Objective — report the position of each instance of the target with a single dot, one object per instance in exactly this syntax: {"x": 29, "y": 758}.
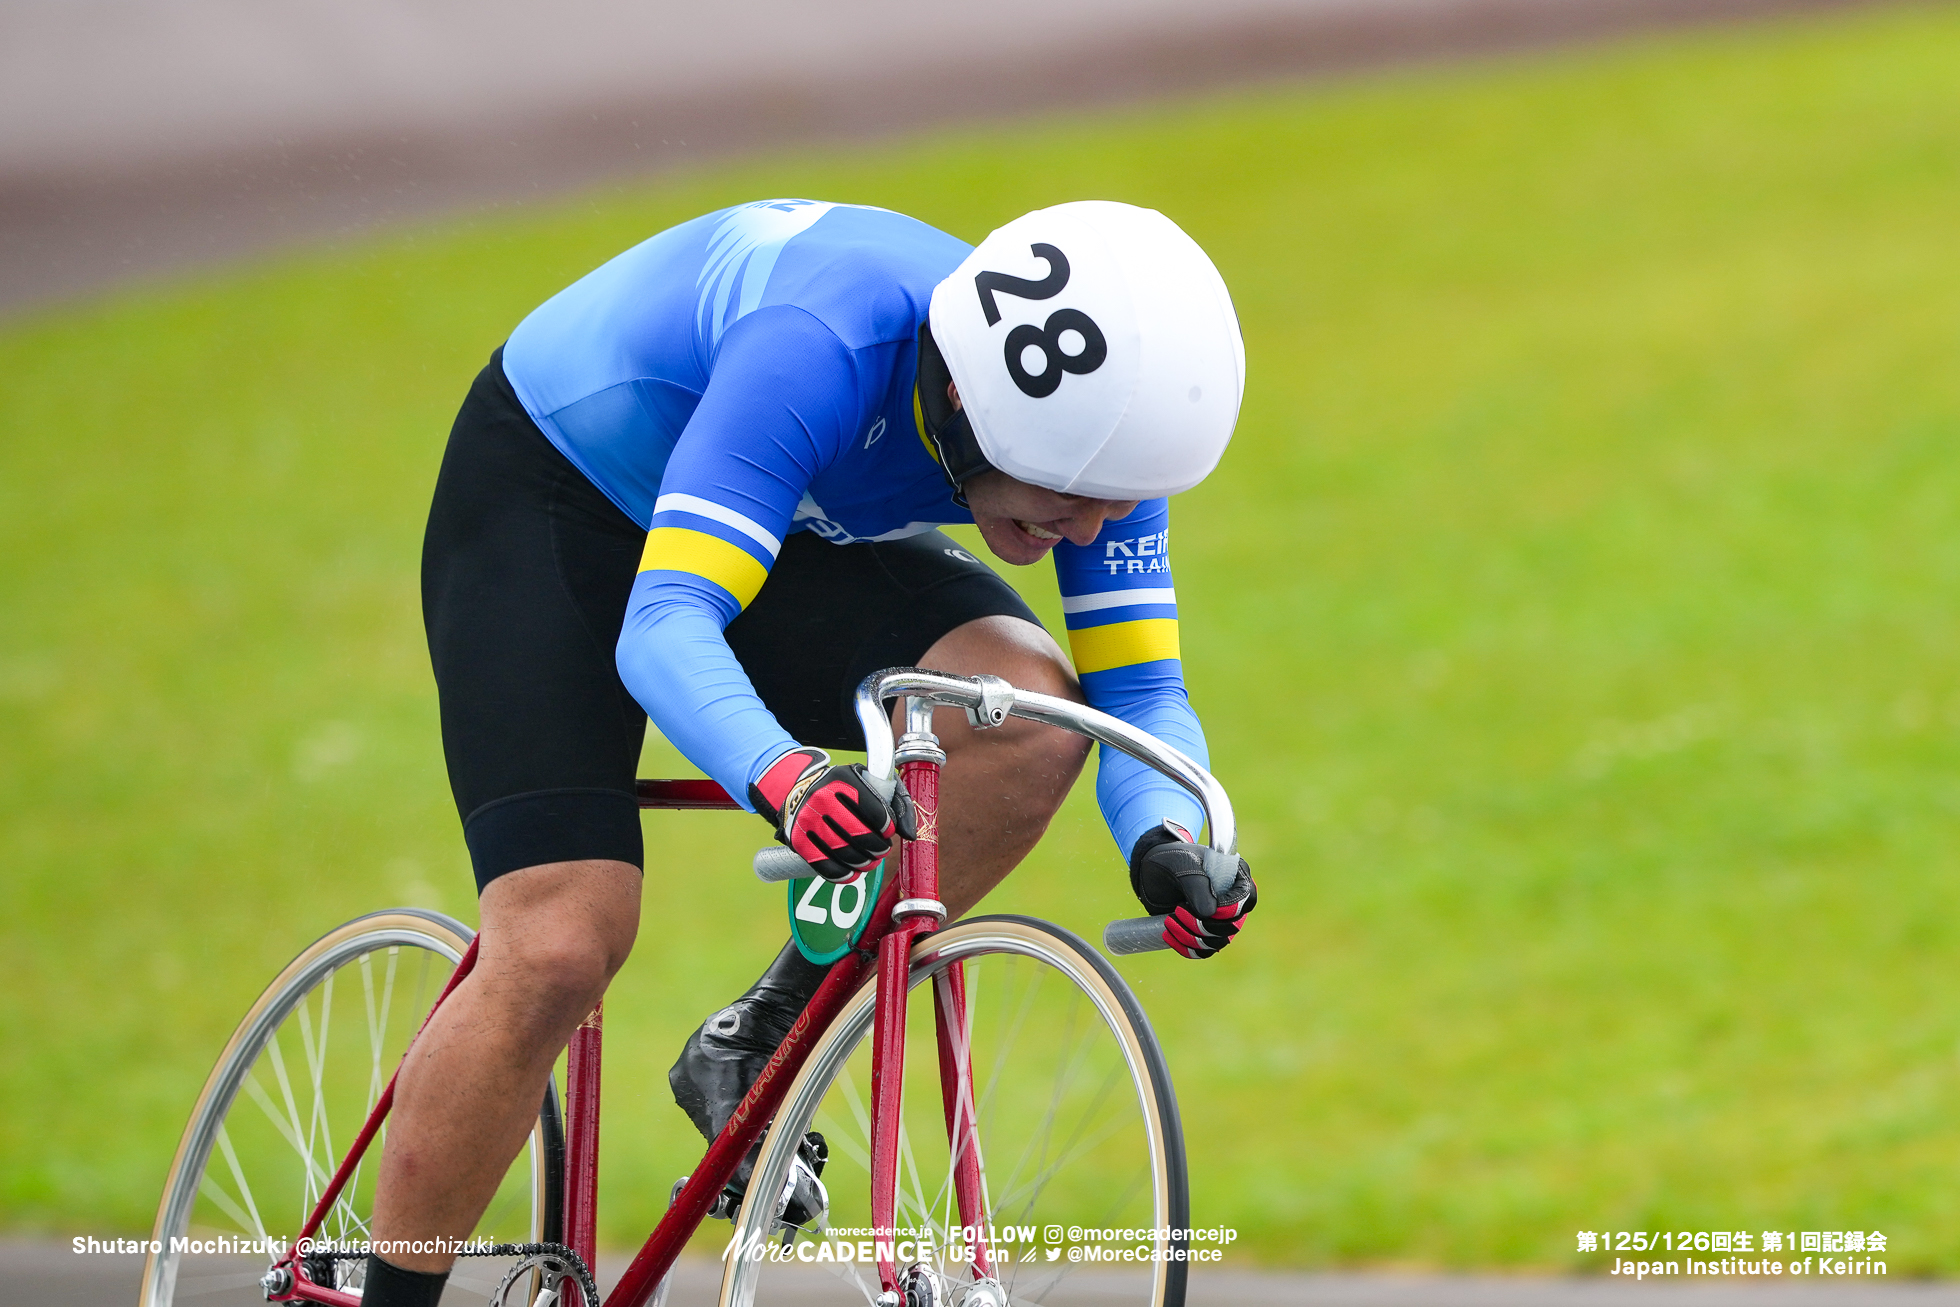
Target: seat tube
{"x": 919, "y": 758}
{"x": 582, "y": 1141}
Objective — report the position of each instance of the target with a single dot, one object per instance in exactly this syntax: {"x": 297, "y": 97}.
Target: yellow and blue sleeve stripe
{"x": 1120, "y": 608}
{"x": 1117, "y": 597}
{"x": 1104, "y": 647}
{"x": 1108, "y": 629}
{"x": 700, "y": 538}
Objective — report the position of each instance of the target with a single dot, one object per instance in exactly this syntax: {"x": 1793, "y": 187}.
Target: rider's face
{"x": 1021, "y": 523}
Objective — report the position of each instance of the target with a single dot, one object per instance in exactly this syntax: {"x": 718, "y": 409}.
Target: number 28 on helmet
{"x": 1095, "y": 350}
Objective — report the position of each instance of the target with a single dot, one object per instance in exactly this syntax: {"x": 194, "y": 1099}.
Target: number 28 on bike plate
{"x": 827, "y": 917}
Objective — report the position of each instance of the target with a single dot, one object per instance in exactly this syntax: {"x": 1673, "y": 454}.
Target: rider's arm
{"x": 1121, "y": 611}
{"x": 782, "y": 402}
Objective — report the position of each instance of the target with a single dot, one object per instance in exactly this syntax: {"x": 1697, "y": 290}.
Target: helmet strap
{"x": 947, "y": 428}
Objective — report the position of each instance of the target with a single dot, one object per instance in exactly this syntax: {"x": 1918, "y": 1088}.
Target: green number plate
{"x": 825, "y": 919}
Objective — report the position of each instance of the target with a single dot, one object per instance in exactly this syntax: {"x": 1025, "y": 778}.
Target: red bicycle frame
{"x": 907, "y": 909}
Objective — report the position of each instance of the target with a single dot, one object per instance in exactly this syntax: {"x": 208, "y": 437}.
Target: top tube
{"x": 989, "y": 701}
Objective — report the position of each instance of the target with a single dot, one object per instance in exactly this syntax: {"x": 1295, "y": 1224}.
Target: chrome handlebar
{"x": 989, "y": 702}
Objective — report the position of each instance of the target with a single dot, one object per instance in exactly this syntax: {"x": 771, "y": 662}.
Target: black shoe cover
{"x": 726, "y": 1054}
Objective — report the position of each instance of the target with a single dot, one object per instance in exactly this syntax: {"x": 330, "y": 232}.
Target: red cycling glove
{"x": 1173, "y": 875}
{"x": 834, "y": 817}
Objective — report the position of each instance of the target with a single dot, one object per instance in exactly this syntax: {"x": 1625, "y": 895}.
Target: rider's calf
{"x": 468, "y": 1092}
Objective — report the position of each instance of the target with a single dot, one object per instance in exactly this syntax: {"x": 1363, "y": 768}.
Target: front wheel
{"x": 1079, "y": 1142}
{"x": 290, "y": 1092}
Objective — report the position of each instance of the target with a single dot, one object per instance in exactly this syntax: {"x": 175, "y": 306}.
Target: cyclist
{"x": 703, "y": 485}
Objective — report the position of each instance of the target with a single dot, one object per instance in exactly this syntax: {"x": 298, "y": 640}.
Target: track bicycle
{"x": 1052, "y": 1109}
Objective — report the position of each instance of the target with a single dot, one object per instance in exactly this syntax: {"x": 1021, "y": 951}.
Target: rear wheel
{"x": 289, "y": 1094}
{"x": 1078, "y": 1134}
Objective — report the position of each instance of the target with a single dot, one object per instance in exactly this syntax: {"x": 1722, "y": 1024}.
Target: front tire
{"x": 1078, "y": 1128}
{"x": 292, "y": 1089}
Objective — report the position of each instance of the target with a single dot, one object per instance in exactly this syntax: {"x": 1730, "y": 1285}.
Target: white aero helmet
{"x": 1096, "y": 353}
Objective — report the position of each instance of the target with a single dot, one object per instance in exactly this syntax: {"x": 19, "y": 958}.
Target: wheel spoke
{"x": 1002, "y": 1053}
{"x": 1037, "y": 1145}
{"x": 307, "y": 1192}
{"x": 915, "y": 1201}
{"x": 319, "y": 1132}
{"x": 375, "y": 1022}
{"x": 315, "y": 1173}
{"x": 857, "y": 1146}
{"x": 965, "y": 1131}
{"x": 1070, "y": 1147}
{"x": 207, "y": 1286}
{"x": 377, "y": 1028}
{"x": 1081, "y": 1148}
{"x": 377, "y": 1045}
{"x": 849, "y": 1273}
{"x": 946, "y": 1199}
{"x": 378, "y": 1019}
{"x": 254, "y": 1224}
{"x": 1043, "y": 1069}
{"x": 271, "y": 1139}
{"x": 969, "y": 1105}
{"x": 1017, "y": 1296}
{"x": 257, "y": 1225}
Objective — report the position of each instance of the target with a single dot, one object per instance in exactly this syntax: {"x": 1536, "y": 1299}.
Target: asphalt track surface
{"x": 48, "y": 1275}
{"x": 140, "y": 137}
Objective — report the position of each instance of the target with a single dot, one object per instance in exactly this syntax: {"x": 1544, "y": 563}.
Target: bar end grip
{"x": 776, "y": 863}
{"x": 1134, "y": 935}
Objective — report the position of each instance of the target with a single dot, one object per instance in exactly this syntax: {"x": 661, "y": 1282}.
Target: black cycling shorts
{"x": 526, "y": 570}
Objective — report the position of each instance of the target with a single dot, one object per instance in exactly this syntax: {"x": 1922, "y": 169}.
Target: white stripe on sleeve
{"x": 1115, "y": 599}
{"x": 708, "y": 508}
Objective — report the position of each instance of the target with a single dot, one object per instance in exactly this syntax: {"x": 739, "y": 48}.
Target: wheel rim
{"x": 1077, "y": 1128}
{"x": 289, "y": 1095}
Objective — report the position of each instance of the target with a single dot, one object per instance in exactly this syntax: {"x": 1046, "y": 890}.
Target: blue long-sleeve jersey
{"x": 752, "y": 373}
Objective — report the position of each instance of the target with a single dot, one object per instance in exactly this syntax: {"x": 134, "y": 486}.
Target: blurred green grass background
{"x": 1573, "y": 620}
